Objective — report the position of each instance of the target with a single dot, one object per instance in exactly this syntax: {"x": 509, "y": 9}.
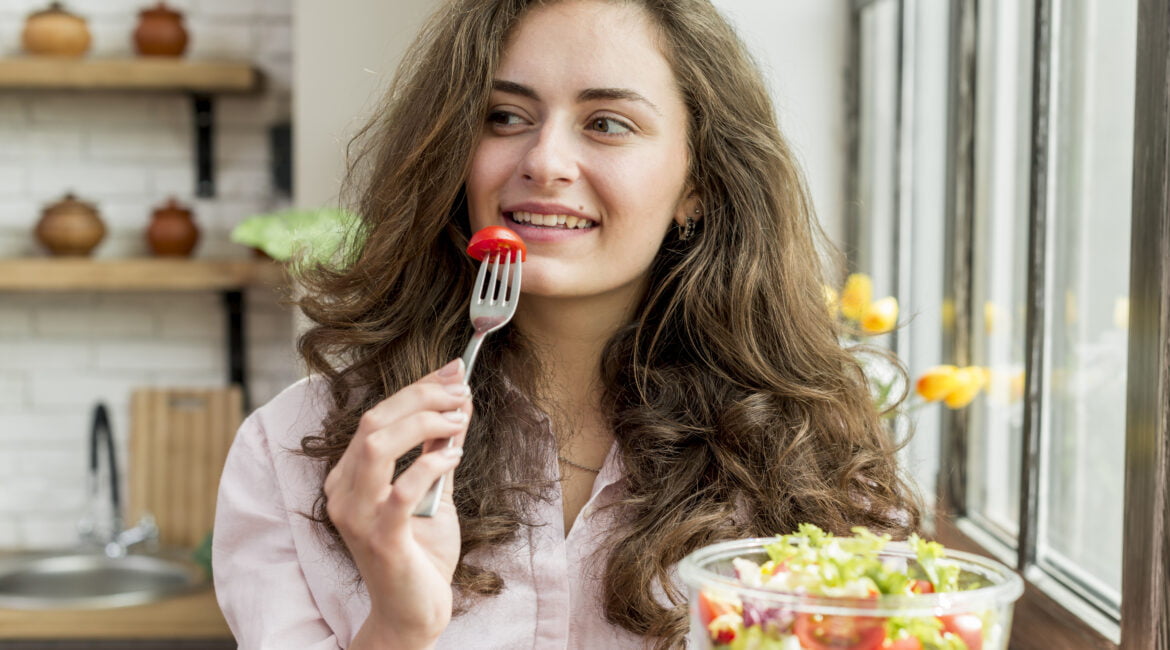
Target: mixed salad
{"x": 815, "y": 563}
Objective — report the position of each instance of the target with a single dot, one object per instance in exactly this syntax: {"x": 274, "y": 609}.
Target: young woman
{"x": 671, "y": 378}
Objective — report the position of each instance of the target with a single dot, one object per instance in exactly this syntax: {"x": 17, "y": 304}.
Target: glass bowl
{"x": 977, "y": 617}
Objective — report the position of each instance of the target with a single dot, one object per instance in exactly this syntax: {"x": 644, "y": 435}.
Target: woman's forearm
{"x": 373, "y": 636}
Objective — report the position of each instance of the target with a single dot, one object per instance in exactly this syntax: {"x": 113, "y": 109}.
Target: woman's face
{"x": 584, "y": 149}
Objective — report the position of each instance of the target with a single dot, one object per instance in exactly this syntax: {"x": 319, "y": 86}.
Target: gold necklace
{"x": 578, "y": 466}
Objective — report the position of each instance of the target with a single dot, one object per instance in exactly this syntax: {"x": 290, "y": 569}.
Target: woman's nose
{"x": 551, "y": 159}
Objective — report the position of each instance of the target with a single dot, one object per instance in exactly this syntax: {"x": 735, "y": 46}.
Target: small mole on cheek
{"x": 581, "y": 208}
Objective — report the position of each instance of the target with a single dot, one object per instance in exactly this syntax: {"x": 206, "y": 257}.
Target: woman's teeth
{"x": 566, "y": 221}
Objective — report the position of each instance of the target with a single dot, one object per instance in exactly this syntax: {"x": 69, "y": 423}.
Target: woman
{"x": 671, "y": 377}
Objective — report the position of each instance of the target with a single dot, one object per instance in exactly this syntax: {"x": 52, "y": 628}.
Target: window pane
{"x": 877, "y": 146}
{"x": 1082, "y": 494}
{"x": 999, "y": 272}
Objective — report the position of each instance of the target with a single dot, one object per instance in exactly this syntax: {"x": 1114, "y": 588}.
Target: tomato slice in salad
{"x": 967, "y": 627}
{"x": 817, "y": 632}
{"x": 495, "y": 238}
{"x": 711, "y": 607}
{"x": 905, "y": 643}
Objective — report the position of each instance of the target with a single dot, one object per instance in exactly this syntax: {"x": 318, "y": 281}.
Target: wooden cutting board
{"x": 179, "y": 439}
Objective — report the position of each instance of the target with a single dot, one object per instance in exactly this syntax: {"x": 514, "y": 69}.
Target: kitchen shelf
{"x": 146, "y": 74}
{"x": 137, "y": 274}
{"x": 200, "y": 79}
{"x": 228, "y": 277}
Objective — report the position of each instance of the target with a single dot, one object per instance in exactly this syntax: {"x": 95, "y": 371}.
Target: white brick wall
{"x": 127, "y": 153}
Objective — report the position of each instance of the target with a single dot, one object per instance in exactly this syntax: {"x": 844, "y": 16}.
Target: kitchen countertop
{"x": 189, "y": 616}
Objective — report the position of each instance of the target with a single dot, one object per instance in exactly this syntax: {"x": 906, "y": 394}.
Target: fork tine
{"x": 493, "y": 288}
{"x": 502, "y": 287}
{"x": 477, "y": 293}
{"x": 514, "y": 287}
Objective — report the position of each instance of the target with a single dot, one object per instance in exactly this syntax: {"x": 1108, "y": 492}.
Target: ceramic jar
{"x": 70, "y": 227}
{"x": 55, "y": 32}
{"x": 172, "y": 231}
{"x": 160, "y": 32}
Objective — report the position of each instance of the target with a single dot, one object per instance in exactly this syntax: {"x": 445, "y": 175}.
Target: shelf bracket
{"x": 233, "y": 302}
{"x": 204, "y": 145}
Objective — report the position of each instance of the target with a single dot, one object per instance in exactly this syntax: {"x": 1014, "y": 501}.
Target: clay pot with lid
{"x": 55, "y": 32}
{"x": 172, "y": 231}
{"x": 160, "y": 32}
{"x": 70, "y": 227}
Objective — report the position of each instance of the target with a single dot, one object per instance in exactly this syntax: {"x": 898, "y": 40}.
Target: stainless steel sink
{"x": 91, "y": 581}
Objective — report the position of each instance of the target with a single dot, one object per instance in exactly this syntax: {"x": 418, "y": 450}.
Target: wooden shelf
{"x": 139, "y": 274}
{"x": 146, "y": 74}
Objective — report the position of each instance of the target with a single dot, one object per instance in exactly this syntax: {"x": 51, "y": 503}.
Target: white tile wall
{"x": 127, "y": 153}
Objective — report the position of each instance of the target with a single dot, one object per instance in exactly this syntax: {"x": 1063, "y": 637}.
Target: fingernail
{"x": 450, "y": 369}
{"x": 458, "y": 390}
{"x": 455, "y": 416}
{"x": 452, "y": 452}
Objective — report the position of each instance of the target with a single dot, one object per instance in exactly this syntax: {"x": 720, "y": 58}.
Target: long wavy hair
{"x": 735, "y": 408}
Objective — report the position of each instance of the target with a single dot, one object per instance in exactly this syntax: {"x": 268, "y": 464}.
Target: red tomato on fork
{"x": 495, "y": 238}
{"x": 817, "y": 632}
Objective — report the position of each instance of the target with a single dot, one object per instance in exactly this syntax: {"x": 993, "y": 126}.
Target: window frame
{"x": 1052, "y": 615}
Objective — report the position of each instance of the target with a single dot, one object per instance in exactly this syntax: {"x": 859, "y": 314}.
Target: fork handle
{"x": 430, "y": 501}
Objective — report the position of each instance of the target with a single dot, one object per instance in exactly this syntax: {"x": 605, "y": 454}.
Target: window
{"x": 1021, "y": 236}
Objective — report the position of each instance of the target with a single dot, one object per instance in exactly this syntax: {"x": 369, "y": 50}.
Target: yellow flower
{"x": 1016, "y": 390}
{"x": 880, "y": 316}
{"x": 831, "y": 299}
{"x": 968, "y": 382}
{"x": 936, "y": 383}
{"x": 991, "y": 316}
{"x": 856, "y": 296}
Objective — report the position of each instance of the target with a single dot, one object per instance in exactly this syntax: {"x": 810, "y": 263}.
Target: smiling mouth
{"x": 552, "y": 221}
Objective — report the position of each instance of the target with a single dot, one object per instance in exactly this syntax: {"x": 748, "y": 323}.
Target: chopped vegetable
{"x": 493, "y": 239}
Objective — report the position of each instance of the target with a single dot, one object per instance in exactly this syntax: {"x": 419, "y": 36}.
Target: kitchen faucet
{"x": 120, "y": 540}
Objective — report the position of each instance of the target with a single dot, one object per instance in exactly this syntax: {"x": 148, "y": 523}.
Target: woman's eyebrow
{"x": 592, "y": 94}
{"x": 587, "y": 95}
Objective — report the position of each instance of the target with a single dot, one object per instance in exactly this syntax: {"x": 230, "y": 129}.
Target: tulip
{"x": 1121, "y": 313}
{"x": 968, "y": 382}
{"x": 856, "y": 296}
{"x": 991, "y": 316}
{"x": 936, "y": 383}
{"x": 881, "y": 316}
{"x": 1016, "y": 390}
{"x": 831, "y": 299}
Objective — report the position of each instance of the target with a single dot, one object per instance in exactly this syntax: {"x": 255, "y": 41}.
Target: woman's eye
{"x": 610, "y": 125}
{"x": 504, "y": 118}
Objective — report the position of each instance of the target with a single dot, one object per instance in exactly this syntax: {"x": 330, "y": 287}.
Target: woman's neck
{"x": 569, "y": 337}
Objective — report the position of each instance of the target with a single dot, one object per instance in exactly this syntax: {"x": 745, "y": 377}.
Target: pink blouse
{"x": 280, "y": 588}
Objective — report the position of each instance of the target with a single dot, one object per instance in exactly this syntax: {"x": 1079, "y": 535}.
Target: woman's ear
{"x": 691, "y": 207}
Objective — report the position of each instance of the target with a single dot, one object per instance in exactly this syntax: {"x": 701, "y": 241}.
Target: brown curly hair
{"x": 735, "y": 408}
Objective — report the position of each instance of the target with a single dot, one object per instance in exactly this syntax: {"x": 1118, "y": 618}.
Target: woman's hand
{"x": 407, "y": 562}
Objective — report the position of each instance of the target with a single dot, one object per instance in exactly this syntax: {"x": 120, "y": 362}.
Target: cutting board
{"x": 179, "y": 439}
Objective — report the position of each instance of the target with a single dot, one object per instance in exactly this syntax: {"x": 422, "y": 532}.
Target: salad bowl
{"x": 814, "y": 591}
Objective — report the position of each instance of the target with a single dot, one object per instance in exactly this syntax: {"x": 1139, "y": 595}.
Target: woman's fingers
{"x": 381, "y": 450}
{"x": 410, "y": 486}
{"x": 429, "y": 411}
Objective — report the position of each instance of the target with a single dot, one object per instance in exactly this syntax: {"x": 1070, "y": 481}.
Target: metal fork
{"x": 493, "y": 302}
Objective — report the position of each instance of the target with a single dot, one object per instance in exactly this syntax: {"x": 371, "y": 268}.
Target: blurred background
{"x": 973, "y": 159}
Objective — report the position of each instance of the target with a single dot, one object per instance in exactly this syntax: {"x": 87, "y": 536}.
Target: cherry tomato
{"x": 921, "y": 587}
{"x": 818, "y": 632}
{"x": 967, "y": 627}
{"x": 905, "y": 643}
{"x": 710, "y": 607}
{"x": 495, "y": 238}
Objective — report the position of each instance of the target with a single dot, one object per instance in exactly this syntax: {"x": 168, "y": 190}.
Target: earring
{"x": 688, "y": 229}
